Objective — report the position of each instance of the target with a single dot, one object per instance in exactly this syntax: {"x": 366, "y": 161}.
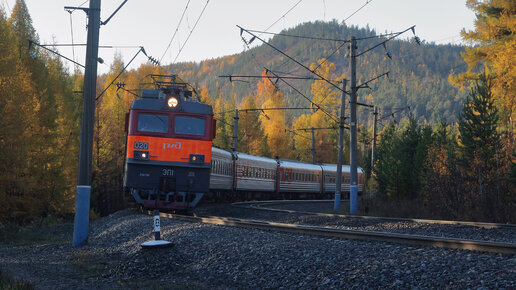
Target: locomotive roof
{"x": 151, "y": 100}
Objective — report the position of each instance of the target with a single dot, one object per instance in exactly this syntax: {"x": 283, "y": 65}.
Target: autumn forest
{"x": 445, "y": 140}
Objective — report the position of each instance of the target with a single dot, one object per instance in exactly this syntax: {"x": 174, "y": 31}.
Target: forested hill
{"x": 418, "y": 73}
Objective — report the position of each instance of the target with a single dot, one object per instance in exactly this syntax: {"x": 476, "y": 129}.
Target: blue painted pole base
{"x": 82, "y": 215}
{"x": 353, "y": 199}
{"x": 337, "y": 201}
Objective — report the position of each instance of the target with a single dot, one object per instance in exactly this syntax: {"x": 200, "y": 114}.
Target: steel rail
{"x": 260, "y": 205}
{"x": 495, "y": 247}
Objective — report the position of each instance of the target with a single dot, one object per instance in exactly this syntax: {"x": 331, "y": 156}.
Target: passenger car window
{"x": 152, "y": 123}
{"x": 189, "y": 125}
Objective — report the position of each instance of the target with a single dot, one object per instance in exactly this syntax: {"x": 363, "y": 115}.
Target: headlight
{"x": 141, "y": 155}
{"x": 196, "y": 158}
{"x": 172, "y": 102}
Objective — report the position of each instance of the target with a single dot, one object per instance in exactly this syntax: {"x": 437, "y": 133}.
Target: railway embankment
{"x": 208, "y": 256}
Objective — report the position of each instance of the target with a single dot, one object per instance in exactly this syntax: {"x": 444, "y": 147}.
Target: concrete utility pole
{"x": 313, "y": 146}
{"x": 353, "y": 193}
{"x": 373, "y": 149}
{"x": 338, "y": 185}
{"x": 82, "y": 200}
{"x": 235, "y": 131}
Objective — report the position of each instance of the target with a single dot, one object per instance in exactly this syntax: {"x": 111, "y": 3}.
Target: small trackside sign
{"x": 157, "y": 227}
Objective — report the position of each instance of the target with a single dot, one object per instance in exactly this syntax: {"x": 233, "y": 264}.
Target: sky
{"x": 152, "y": 23}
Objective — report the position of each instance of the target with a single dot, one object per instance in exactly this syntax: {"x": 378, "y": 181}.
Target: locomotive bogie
{"x": 151, "y": 198}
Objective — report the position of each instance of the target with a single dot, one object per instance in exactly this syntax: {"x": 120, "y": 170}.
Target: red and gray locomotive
{"x": 169, "y": 145}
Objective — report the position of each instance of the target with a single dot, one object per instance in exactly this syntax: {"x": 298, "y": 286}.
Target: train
{"x": 169, "y": 141}
{"x": 171, "y": 163}
{"x": 241, "y": 176}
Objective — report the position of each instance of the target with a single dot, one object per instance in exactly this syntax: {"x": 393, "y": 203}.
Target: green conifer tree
{"x": 478, "y": 136}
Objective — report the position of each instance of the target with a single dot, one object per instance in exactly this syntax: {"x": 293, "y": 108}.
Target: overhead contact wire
{"x": 291, "y": 58}
{"x": 292, "y": 8}
{"x": 84, "y": 3}
{"x": 311, "y": 102}
{"x": 367, "y": 2}
{"x": 175, "y": 32}
{"x": 299, "y": 36}
{"x": 71, "y": 32}
{"x": 191, "y": 31}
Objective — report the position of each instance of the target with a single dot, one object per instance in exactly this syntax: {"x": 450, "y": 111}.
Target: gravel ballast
{"x": 220, "y": 257}
{"x": 501, "y": 234}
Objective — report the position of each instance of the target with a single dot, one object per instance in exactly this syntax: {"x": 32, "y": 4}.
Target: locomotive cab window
{"x": 189, "y": 125}
{"x": 152, "y": 123}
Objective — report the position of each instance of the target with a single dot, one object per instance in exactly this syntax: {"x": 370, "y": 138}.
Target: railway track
{"x": 421, "y": 240}
{"x": 262, "y": 205}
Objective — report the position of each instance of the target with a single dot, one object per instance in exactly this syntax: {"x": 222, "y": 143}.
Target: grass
{"x": 15, "y": 236}
{"x": 47, "y": 231}
{"x": 87, "y": 264}
{"x": 7, "y": 282}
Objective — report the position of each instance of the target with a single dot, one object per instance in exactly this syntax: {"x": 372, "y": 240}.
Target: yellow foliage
{"x": 252, "y": 135}
{"x": 274, "y": 121}
{"x": 328, "y": 98}
{"x": 494, "y": 38}
{"x": 303, "y": 139}
{"x": 204, "y": 96}
{"x": 274, "y": 125}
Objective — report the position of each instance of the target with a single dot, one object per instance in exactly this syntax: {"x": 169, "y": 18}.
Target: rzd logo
{"x": 176, "y": 145}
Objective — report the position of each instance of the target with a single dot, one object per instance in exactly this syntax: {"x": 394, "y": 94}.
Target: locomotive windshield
{"x": 152, "y": 123}
{"x": 189, "y": 125}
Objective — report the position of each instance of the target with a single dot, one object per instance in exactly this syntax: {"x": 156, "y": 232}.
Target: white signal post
{"x": 158, "y": 242}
